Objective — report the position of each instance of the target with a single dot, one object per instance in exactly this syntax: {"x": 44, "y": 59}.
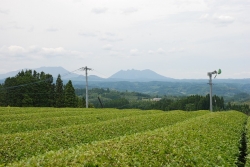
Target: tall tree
{"x": 59, "y": 94}
{"x": 69, "y": 95}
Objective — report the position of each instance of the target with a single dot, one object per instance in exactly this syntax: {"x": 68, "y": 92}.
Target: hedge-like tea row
{"x": 25, "y": 110}
{"x": 21, "y": 116}
{"x": 14, "y": 147}
{"x": 248, "y": 142}
{"x": 209, "y": 140}
{"x": 56, "y": 122}
{"x": 40, "y": 113}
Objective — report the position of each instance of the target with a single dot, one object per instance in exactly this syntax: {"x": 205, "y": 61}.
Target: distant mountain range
{"x": 147, "y": 81}
{"x": 123, "y": 75}
{"x": 129, "y": 75}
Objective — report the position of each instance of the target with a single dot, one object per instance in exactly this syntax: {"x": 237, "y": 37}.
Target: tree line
{"x": 189, "y": 103}
{"x": 30, "y": 88}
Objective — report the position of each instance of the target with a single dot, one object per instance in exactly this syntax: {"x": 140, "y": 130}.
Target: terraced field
{"x": 111, "y": 137}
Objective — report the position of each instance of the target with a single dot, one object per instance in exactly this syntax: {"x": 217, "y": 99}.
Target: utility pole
{"x": 210, "y": 83}
{"x": 86, "y": 73}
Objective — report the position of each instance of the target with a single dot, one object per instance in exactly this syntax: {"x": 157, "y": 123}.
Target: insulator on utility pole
{"x": 86, "y": 73}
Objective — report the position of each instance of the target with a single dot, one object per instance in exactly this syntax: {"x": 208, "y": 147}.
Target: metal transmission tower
{"x": 210, "y": 83}
{"x": 86, "y": 73}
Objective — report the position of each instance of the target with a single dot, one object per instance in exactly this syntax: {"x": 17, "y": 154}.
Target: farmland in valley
{"x": 112, "y": 137}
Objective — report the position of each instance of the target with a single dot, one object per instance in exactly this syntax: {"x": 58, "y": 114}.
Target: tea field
{"x": 112, "y": 137}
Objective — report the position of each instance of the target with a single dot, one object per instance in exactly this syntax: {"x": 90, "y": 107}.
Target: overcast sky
{"x": 175, "y": 38}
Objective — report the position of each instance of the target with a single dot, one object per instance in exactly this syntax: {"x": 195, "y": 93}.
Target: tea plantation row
{"x": 110, "y": 137}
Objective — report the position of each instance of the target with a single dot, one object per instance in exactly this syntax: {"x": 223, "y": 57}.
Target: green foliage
{"x": 17, "y": 146}
{"x": 248, "y": 142}
{"x": 69, "y": 95}
{"x": 117, "y": 103}
{"x": 59, "y": 94}
{"x": 241, "y": 97}
{"x": 239, "y": 107}
{"x": 107, "y": 95}
{"x": 190, "y": 103}
{"x": 81, "y": 102}
{"x": 180, "y": 88}
{"x": 27, "y": 101}
{"x": 27, "y": 88}
{"x": 208, "y": 140}
{"x": 56, "y": 119}
{"x": 32, "y": 89}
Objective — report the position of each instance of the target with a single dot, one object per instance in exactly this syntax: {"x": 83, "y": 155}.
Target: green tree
{"x": 28, "y": 89}
{"x": 117, "y": 103}
{"x": 59, "y": 92}
{"x": 69, "y": 95}
{"x": 27, "y": 101}
{"x": 81, "y": 102}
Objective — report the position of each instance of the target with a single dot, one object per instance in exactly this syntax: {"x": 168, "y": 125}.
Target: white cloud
{"x": 114, "y": 53}
{"x": 151, "y": 52}
{"x": 17, "y": 27}
{"x": 35, "y": 52}
{"x": 12, "y": 52}
{"x": 15, "y": 49}
{"x": 124, "y": 29}
{"x": 110, "y": 38}
{"x": 110, "y": 34}
{"x": 161, "y": 51}
{"x": 54, "y": 51}
{"x": 218, "y": 19}
{"x": 107, "y": 47}
{"x": 205, "y": 16}
{"x": 134, "y": 51}
{"x": 223, "y": 19}
{"x": 11, "y": 25}
{"x": 52, "y": 29}
{"x": 31, "y": 29}
{"x": 2, "y": 11}
{"x": 129, "y": 10}
{"x": 173, "y": 50}
{"x": 99, "y": 10}
{"x": 87, "y": 34}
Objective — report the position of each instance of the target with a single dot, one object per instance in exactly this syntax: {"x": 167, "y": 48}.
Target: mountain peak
{"x": 138, "y": 75}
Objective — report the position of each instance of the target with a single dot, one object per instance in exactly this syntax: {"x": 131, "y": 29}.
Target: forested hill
{"x": 172, "y": 88}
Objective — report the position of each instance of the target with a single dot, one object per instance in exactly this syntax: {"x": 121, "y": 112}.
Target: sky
{"x": 182, "y": 39}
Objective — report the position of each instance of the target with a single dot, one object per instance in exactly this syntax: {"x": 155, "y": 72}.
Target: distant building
{"x": 156, "y": 99}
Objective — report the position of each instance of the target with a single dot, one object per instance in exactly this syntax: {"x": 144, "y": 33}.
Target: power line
{"x": 101, "y": 73}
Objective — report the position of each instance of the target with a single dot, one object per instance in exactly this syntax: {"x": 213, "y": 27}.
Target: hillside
{"x": 171, "y": 88}
{"x": 111, "y": 137}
